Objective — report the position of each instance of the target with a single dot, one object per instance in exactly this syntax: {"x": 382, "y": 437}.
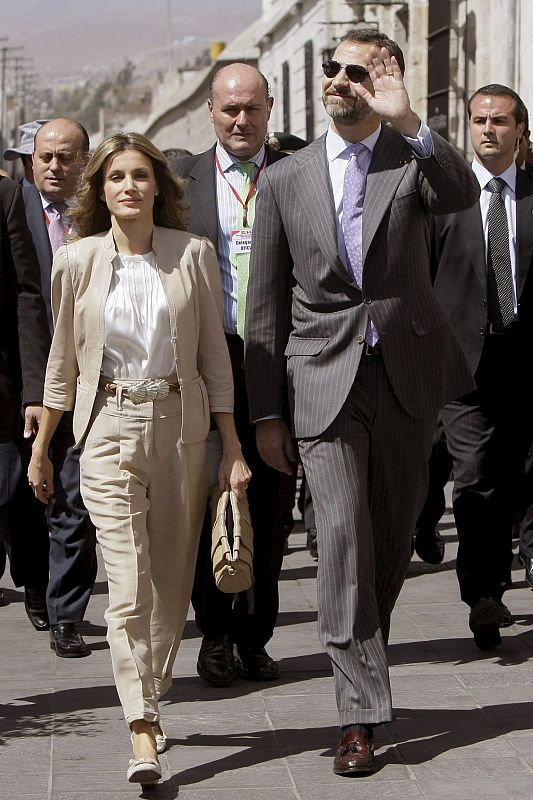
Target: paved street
{"x": 463, "y": 726}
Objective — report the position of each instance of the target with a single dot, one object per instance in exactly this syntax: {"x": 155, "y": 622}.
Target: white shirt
{"x": 509, "y": 199}
{"x": 137, "y": 322}
{"x": 228, "y": 211}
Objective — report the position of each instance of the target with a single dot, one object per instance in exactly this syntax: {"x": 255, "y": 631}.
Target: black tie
{"x": 499, "y": 273}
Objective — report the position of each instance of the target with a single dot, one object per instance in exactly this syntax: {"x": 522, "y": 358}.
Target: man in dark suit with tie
{"x": 483, "y": 278}
{"x": 368, "y": 358}
{"x": 524, "y": 162}
{"x": 221, "y": 190}
{"x": 24, "y": 344}
{"x": 61, "y": 148}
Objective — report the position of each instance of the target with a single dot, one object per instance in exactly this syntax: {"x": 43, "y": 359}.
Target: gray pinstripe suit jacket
{"x": 295, "y": 244}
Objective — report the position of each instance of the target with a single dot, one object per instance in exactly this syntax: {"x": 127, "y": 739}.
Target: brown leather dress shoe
{"x": 67, "y": 642}
{"x": 355, "y": 753}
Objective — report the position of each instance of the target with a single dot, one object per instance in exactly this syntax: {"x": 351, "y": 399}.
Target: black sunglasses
{"x": 354, "y": 72}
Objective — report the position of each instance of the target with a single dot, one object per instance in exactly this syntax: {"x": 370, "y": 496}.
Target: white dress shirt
{"x": 137, "y": 322}
{"x": 509, "y": 199}
{"x": 228, "y": 213}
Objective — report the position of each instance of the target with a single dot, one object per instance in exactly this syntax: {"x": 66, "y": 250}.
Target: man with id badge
{"x": 222, "y": 184}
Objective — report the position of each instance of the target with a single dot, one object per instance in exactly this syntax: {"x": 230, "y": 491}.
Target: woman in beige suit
{"x": 139, "y": 353}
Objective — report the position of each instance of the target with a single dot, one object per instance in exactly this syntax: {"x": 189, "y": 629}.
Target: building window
{"x": 286, "y": 86}
{"x": 309, "y": 68}
{"x": 439, "y": 20}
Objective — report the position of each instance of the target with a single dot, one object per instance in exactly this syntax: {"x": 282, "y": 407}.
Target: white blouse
{"x": 137, "y": 322}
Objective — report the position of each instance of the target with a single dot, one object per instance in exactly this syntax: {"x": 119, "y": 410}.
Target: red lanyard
{"x": 68, "y": 228}
{"x": 251, "y": 191}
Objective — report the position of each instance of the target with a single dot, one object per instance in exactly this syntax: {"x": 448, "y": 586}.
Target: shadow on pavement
{"x": 415, "y": 736}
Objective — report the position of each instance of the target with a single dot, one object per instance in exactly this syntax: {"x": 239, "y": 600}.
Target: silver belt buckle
{"x": 142, "y": 391}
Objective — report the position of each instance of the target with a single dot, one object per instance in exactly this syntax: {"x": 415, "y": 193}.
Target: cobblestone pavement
{"x": 463, "y": 726}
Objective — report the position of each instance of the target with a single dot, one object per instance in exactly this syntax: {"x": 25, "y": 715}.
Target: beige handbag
{"x": 232, "y": 545}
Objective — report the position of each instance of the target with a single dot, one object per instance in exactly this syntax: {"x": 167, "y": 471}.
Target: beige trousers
{"x": 146, "y": 494}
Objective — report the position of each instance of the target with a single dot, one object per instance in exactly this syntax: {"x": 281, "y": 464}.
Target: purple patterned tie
{"x": 352, "y": 218}
{"x": 56, "y": 230}
{"x": 352, "y": 223}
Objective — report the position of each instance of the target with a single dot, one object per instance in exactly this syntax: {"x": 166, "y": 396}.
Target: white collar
{"x": 228, "y": 160}
{"x": 336, "y": 145}
{"x": 46, "y": 203}
{"x": 484, "y": 176}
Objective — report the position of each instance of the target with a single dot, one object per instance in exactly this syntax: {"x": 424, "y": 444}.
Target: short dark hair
{"x": 371, "y": 36}
{"x": 498, "y": 89}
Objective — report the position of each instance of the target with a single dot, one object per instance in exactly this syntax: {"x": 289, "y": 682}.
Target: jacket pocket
{"x": 422, "y": 328}
{"x": 195, "y": 420}
{"x": 299, "y": 346}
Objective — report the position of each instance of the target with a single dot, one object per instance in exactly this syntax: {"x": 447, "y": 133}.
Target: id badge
{"x": 241, "y": 241}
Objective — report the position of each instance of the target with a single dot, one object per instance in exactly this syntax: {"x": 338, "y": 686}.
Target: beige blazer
{"x": 81, "y": 277}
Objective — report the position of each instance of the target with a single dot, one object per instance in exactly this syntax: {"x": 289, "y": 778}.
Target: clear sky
{"x": 63, "y": 36}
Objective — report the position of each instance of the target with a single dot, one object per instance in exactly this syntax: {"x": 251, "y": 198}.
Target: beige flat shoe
{"x": 146, "y": 771}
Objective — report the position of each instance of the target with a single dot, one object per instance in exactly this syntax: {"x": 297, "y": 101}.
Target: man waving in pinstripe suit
{"x": 369, "y": 357}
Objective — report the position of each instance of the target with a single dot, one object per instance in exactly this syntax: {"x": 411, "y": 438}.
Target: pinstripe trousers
{"x": 146, "y": 494}
{"x": 368, "y": 475}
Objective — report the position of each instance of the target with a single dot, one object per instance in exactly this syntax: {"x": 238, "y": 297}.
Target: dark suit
{"x": 72, "y": 537}
{"x": 24, "y": 344}
{"x": 250, "y": 621}
{"x": 364, "y": 422}
{"x": 489, "y": 431}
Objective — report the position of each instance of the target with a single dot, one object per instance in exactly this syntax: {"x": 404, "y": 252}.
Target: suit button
{"x": 482, "y": 331}
{"x": 485, "y": 303}
{"x": 367, "y": 300}
{"x": 360, "y": 339}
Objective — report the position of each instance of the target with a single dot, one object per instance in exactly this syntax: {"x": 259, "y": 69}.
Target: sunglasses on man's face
{"x": 354, "y": 72}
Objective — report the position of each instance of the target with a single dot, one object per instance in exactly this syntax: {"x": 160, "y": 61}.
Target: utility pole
{"x": 19, "y": 75}
{"x": 5, "y": 51}
{"x": 28, "y": 97}
{"x": 170, "y": 43}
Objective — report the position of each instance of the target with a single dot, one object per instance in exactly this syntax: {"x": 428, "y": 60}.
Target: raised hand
{"x": 389, "y": 99}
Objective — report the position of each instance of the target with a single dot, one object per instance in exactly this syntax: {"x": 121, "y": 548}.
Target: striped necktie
{"x": 241, "y": 261}
{"x": 499, "y": 273}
